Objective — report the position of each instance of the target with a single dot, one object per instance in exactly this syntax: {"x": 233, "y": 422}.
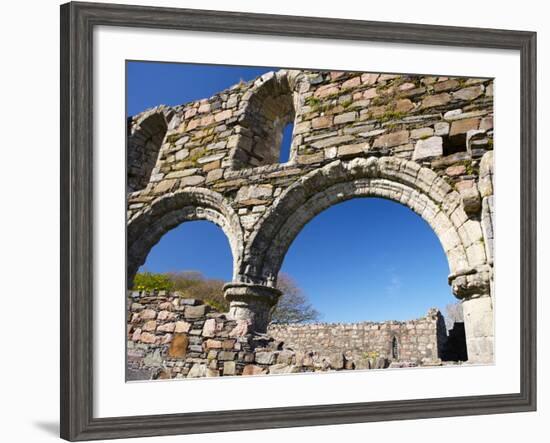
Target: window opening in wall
{"x": 454, "y": 144}
{"x": 265, "y": 135}
{"x": 394, "y": 348}
{"x": 286, "y": 142}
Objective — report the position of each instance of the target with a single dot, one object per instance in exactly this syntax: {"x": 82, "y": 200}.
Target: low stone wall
{"x": 174, "y": 337}
{"x": 421, "y": 340}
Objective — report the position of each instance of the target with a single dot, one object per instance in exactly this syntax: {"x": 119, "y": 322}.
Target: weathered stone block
{"x": 428, "y": 148}
{"x": 197, "y": 370}
{"x": 324, "y": 121}
{"x": 422, "y": 133}
{"x": 471, "y": 200}
{"x": 432, "y": 101}
{"x": 470, "y": 93}
{"x": 209, "y": 328}
{"x": 325, "y": 91}
{"x": 391, "y": 139}
{"x": 265, "y": 358}
{"x": 351, "y": 150}
{"x": 214, "y": 175}
{"x": 445, "y": 85}
{"x": 352, "y": 83}
{"x": 226, "y": 355}
{"x": 212, "y": 344}
{"x": 283, "y": 369}
{"x": 182, "y": 326}
{"x": 229, "y": 368}
{"x": 166, "y": 315}
{"x": 441, "y": 128}
{"x": 195, "y": 311}
{"x": 148, "y": 314}
{"x": 454, "y": 171}
{"x": 310, "y": 158}
{"x": 193, "y": 180}
{"x": 224, "y": 115}
{"x": 147, "y": 337}
{"x": 254, "y": 370}
{"x": 178, "y": 347}
{"x": 348, "y": 117}
{"x": 463, "y": 126}
{"x": 404, "y": 105}
{"x": 332, "y": 141}
{"x": 259, "y": 192}
{"x": 164, "y": 186}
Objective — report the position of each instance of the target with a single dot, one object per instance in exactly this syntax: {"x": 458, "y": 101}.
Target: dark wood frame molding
{"x": 77, "y": 24}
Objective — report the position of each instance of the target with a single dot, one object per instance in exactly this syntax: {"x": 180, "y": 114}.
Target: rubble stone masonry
{"x": 174, "y": 337}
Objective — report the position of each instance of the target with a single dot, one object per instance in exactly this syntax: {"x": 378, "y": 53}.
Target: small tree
{"x": 293, "y": 305}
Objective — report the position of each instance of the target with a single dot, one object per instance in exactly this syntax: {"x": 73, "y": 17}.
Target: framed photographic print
{"x": 292, "y": 221}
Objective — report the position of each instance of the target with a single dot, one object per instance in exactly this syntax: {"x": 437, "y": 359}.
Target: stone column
{"x": 251, "y": 302}
{"x": 473, "y": 287}
{"x": 478, "y": 325}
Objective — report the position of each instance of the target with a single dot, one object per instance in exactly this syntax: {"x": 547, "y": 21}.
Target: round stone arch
{"x": 399, "y": 180}
{"x": 146, "y": 227}
{"x": 274, "y": 100}
{"x": 405, "y": 182}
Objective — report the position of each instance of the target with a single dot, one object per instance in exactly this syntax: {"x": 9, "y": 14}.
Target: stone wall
{"x": 174, "y": 337}
{"x": 421, "y": 340}
{"x": 423, "y": 141}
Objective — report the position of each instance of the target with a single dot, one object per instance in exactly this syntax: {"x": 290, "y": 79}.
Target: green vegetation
{"x": 371, "y": 355}
{"x": 147, "y": 281}
{"x": 346, "y": 103}
{"x": 196, "y": 154}
{"x": 391, "y": 115}
{"x": 293, "y": 305}
{"x": 314, "y": 102}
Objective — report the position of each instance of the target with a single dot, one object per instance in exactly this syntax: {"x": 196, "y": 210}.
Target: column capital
{"x": 251, "y": 291}
{"x": 251, "y": 302}
{"x": 471, "y": 282}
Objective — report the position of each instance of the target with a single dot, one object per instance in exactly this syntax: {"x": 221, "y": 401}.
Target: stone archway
{"x": 146, "y": 228}
{"x": 404, "y": 182}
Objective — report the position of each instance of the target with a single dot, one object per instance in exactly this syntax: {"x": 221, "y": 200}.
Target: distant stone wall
{"x": 420, "y": 340}
{"x": 174, "y": 337}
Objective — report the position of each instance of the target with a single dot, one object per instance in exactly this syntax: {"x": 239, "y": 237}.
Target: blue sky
{"x": 364, "y": 259}
{"x": 151, "y": 84}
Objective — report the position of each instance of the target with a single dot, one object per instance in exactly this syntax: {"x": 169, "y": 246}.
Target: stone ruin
{"x": 423, "y": 141}
{"x": 170, "y": 336}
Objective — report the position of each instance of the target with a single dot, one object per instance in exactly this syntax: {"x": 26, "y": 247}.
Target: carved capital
{"x": 251, "y": 302}
{"x": 471, "y": 282}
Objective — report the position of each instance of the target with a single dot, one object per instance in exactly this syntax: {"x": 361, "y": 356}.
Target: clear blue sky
{"x": 364, "y": 259}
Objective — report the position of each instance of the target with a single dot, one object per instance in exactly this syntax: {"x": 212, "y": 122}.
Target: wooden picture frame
{"x": 77, "y": 23}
